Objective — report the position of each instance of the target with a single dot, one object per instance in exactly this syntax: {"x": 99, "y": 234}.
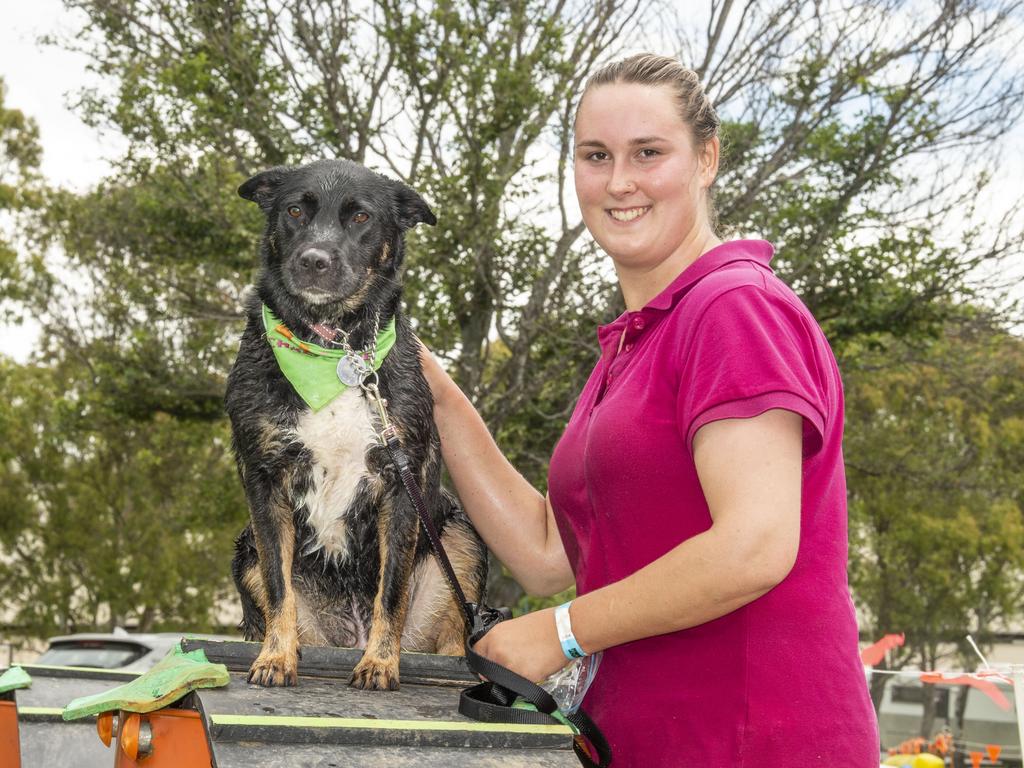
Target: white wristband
{"x": 570, "y": 647}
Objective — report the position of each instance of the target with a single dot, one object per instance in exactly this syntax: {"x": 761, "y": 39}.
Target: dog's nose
{"x": 314, "y": 259}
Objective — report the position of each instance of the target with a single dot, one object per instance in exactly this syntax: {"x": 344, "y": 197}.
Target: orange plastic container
{"x": 10, "y": 748}
{"x": 167, "y": 738}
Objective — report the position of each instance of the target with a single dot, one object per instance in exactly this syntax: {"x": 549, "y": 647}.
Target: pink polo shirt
{"x": 779, "y": 681}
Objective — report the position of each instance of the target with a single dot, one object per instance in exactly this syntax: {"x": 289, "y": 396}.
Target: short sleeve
{"x": 750, "y": 352}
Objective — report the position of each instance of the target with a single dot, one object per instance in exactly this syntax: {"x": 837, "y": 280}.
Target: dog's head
{"x": 334, "y": 231}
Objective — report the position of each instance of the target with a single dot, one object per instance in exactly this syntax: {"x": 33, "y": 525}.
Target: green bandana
{"x": 313, "y": 370}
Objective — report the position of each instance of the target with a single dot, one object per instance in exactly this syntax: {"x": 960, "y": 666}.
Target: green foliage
{"x": 471, "y": 102}
{"x": 113, "y": 509}
{"x": 164, "y": 257}
{"x": 819, "y": 159}
{"x": 935, "y": 459}
{"x": 191, "y": 78}
{"x": 528, "y": 604}
{"x": 105, "y": 519}
{"x": 142, "y": 314}
{"x": 20, "y": 195}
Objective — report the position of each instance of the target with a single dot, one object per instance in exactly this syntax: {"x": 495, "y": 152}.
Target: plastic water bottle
{"x": 569, "y": 685}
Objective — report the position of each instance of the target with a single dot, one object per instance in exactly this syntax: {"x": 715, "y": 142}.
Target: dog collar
{"x": 313, "y": 370}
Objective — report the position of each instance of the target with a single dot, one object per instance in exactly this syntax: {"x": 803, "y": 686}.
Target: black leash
{"x": 492, "y": 701}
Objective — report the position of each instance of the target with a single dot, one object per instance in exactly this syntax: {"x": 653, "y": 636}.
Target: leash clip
{"x": 372, "y": 391}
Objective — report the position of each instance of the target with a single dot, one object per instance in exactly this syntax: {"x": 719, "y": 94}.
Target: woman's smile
{"x": 627, "y": 215}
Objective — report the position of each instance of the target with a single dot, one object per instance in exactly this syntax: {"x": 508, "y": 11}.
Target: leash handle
{"x": 493, "y": 701}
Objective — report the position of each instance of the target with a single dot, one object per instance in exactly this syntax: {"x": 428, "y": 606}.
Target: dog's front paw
{"x": 275, "y": 669}
{"x": 373, "y": 674}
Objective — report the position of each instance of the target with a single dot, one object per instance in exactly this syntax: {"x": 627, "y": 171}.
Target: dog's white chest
{"x": 338, "y": 436}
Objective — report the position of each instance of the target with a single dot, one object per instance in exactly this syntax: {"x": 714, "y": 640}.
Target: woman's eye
{"x": 597, "y": 156}
{"x": 294, "y": 211}
{"x": 649, "y": 153}
{"x": 361, "y": 217}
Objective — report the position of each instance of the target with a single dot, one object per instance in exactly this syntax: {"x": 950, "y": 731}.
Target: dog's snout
{"x": 314, "y": 260}
{"x": 319, "y": 271}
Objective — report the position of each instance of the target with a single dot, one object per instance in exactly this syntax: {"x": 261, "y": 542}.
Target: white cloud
{"x": 41, "y": 79}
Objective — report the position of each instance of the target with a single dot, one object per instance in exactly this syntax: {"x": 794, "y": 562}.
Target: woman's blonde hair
{"x": 695, "y": 107}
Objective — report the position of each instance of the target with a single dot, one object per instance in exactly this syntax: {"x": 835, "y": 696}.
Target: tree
{"x": 20, "y": 191}
{"x": 159, "y": 266}
{"x": 937, "y": 510}
{"x": 459, "y": 99}
{"x": 105, "y": 520}
{"x": 855, "y": 132}
{"x": 214, "y": 96}
{"x": 827, "y": 106}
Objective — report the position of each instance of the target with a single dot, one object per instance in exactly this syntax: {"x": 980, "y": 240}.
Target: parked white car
{"x": 114, "y": 650}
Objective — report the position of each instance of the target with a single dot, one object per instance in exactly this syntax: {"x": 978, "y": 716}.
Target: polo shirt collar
{"x": 758, "y": 251}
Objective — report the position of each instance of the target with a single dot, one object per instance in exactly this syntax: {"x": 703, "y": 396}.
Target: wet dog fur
{"x": 333, "y": 553}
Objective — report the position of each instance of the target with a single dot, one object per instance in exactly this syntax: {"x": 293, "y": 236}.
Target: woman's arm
{"x": 515, "y": 521}
{"x": 750, "y": 473}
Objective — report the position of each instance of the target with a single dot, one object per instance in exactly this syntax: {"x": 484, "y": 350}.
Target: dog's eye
{"x": 361, "y": 217}
{"x": 294, "y": 211}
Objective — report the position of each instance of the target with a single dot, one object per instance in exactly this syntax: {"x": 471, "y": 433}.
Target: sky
{"x": 41, "y": 80}
{"x": 37, "y": 79}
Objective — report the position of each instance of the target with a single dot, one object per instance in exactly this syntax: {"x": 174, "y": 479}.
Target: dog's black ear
{"x": 412, "y": 209}
{"x": 262, "y": 188}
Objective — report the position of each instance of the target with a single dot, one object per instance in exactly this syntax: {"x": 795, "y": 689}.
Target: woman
{"x": 697, "y": 497}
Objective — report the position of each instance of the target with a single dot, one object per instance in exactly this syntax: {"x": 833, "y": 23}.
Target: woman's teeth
{"x": 628, "y": 214}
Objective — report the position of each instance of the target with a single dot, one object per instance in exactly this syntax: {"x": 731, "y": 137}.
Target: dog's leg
{"x": 398, "y": 531}
{"x": 245, "y": 568}
{"x": 274, "y": 536}
{"x": 468, "y": 556}
{"x": 436, "y": 622}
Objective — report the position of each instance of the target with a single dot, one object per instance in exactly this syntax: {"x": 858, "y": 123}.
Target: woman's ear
{"x": 709, "y": 161}
{"x": 262, "y": 188}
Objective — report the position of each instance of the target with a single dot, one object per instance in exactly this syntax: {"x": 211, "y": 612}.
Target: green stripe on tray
{"x": 40, "y": 711}
{"x": 94, "y": 670}
{"x": 405, "y": 725}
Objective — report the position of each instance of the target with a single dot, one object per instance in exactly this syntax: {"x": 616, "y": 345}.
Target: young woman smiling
{"x": 697, "y": 497}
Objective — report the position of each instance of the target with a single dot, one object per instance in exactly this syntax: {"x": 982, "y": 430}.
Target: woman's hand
{"x": 527, "y": 645}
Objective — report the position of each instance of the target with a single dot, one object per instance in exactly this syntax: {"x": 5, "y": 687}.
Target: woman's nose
{"x": 621, "y": 181}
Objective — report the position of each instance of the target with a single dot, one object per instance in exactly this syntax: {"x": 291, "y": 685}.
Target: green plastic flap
{"x": 14, "y": 678}
{"x": 175, "y": 675}
{"x": 521, "y": 703}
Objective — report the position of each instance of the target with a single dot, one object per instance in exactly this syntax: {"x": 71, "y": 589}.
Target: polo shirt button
{"x": 628, "y": 347}
{"x": 638, "y": 323}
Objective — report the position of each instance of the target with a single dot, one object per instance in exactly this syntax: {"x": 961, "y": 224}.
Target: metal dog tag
{"x": 352, "y": 370}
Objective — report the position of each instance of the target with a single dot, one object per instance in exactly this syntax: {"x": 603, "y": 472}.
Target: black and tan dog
{"x": 333, "y": 554}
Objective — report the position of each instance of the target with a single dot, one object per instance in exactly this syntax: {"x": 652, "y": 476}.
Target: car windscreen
{"x": 104, "y": 654}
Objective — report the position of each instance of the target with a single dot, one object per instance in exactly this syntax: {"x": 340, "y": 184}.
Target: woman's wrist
{"x": 594, "y": 625}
